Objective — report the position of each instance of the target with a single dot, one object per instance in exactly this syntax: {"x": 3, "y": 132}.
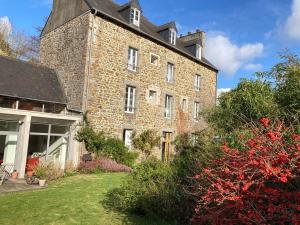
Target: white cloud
{"x": 229, "y": 57}
{"x": 292, "y": 26}
{"x": 253, "y": 67}
{"x": 5, "y": 27}
{"x": 223, "y": 91}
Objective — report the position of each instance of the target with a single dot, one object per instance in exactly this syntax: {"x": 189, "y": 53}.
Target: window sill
{"x": 130, "y": 113}
{"x": 133, "y": 71}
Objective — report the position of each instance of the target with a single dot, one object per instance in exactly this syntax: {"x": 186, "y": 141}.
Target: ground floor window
{"x": 127, "y": 137}
{"x": 48, "y": 142}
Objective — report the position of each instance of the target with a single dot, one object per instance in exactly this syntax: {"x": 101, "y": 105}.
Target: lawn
{"x": 73, "y": 200}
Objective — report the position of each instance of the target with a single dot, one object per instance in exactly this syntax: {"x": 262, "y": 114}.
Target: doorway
{"x": 166, "y": 146}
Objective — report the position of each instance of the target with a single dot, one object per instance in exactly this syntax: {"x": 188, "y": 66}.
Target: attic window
{"x": 198, "y": 52}
{"x": 135, "y": 16}
{"x": 173, "y": 36}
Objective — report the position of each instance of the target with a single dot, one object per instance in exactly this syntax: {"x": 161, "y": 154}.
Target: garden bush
{"x": 149, "y": 190}
{"x": 259, "y": 185}
{"x": 116, "y": 150}
{"x": 102, "y": 165}
{"x": 102, "y": 146}
{"x": 157, "y": 189}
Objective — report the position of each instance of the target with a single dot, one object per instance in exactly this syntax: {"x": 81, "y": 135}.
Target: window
{"x": 127, "y": 135}
{"x": 173, "y": 36}
{"x": 132, "y": 59}
{"x": 152, "y": 95}
{"x": 135, "y": 15}
{"x": 197, "y": 82}
{"x": 196, "y": 111}
{"x": 198, "y": 52}
{"x": 170, "y": 73}
{"x": 184, "y": 105}
{"x": 168, "y": 106}
{"x": 130, "y": 99}
{"x": 154, "y": 59}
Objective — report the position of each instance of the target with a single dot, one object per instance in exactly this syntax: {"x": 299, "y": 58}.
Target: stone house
{"x": 126, "y": 72}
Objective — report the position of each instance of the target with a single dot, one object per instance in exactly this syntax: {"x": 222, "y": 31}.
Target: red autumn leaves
{"x": 256, "y": 185}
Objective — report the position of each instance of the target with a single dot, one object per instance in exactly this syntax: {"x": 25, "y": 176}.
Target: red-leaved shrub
{"x": 259, "y": 185}
{"x": 103, "y": 164}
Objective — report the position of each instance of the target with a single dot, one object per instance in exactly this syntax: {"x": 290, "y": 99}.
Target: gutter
{"x": 87, "y": 83}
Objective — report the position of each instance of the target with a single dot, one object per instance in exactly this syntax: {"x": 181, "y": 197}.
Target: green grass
{"x": 73, "y": 200}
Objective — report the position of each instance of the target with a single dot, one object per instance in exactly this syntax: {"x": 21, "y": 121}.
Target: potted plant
{"x": 14, "y": 174}
{"x": 41, "y": 172}
{"x": 29, "y": 173}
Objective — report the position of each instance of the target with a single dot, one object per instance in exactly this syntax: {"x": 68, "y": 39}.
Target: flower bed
{"x": 103, "y": 164}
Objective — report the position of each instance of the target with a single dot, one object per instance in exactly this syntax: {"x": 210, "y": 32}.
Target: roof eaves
{"x": 33, "y": 99}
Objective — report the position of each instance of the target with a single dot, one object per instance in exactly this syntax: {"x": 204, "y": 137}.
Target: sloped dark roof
{"x": 110, "y": 9}
{"x": 29, "y": 81}
{"x": 132, "y": 3}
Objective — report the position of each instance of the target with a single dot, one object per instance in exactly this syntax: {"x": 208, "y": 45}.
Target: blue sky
{"x": 242, "y": 36}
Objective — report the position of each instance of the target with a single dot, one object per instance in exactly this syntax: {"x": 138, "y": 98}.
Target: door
{"x": 166, "y": 146}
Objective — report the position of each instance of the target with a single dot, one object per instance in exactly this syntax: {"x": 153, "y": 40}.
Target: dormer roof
{"x": 132, "y": 4}
{"x": 170, "y": 25}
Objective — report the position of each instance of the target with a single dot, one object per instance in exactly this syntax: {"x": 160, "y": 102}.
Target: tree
{"x": 285, "y": 77}
{"x": 17, "y": 44}
{"x": 250, "y": 101}
{"x": 5, "y": 48}
{"x": 146, "y": 142}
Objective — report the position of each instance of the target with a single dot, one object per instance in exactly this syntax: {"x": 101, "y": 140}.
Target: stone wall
{"x": 104, "y": 78}
{"x": 109, "y": 77}
{"x": 65, "y": 49}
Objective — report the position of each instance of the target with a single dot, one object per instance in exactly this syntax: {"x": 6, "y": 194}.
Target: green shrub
{"x": 149, "y": 190}
{"x": 116, "y": 150}
{"x": 161, "y": 190}
{"x": 100, "y": 145}
{"x": 146, "y": 142}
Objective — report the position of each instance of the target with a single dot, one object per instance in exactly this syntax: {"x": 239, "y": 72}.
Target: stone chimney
{"x": 198, "y": 37}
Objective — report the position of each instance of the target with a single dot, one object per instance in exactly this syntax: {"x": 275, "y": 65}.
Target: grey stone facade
{"x": 90, "y": 53}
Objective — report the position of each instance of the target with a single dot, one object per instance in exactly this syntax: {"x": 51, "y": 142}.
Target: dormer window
{"x": 135, "y": 16}
{"x": 173, "y": 36}
{"x": 198, "y": 52}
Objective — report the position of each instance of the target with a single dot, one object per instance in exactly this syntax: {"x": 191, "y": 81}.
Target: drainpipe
{"x": 94, "y": 12}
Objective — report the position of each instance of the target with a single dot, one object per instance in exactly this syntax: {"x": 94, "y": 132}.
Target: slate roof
{"x": 29, "y": 81}
{"x": 110, "y": 9}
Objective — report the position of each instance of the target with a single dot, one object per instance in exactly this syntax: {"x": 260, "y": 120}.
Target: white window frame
{"x": 130, "y": 99}
{"x": 196, "y": 111}
{"x": 170, "y": 72}
{"x": 198, "y": 79}
{"x": 135, "y": 16}
{"x": 128, "y": 138}
{"x": 173, "y": 36}
{"x": 168, "y": 106}
{"x": 198, "y": 52}
{"x": 157, "y": 61}
{"x": 132, "y": 59}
